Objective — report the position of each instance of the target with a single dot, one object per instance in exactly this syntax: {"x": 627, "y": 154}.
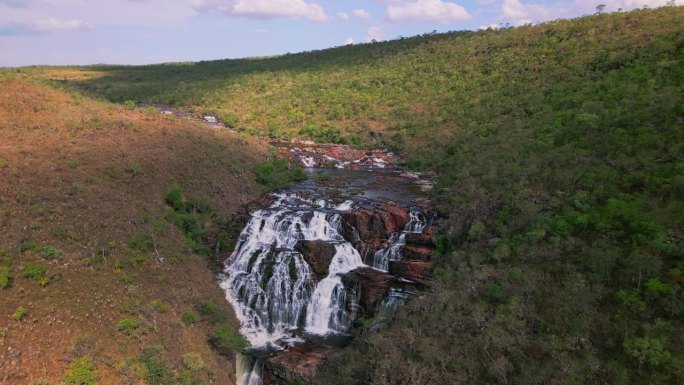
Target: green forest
{"x": 559, "y": 154}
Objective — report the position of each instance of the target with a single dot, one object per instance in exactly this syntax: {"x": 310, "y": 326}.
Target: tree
{"x": 599, "y": 8}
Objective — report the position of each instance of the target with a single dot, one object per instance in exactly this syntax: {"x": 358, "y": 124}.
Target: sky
{"x": 61, "y": 32}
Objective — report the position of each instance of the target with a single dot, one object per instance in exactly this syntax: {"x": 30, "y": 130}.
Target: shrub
{"x": 189, "y": 318}
{"x": 50, "y": 252}
{"x": 495, "y": 292}
{"x": 32, "y": 270}
{"x": 81, "y": 372}
{"x": 226, "y": 340}
{"x": 157, "y": 371}
{"x": 646, "y": 351}
{"x": 128, "y": 325}
{"x": 278, "y": 174}
{"x": 158, "y": 306}
{"x": 136, "y": 259}
{"x": 133, "y": 168}
{"x": 214, "y": 312}
{"x": 20, "y": 313}
{"x": 193, "y": 361}
{"x": 5, "y": 276}
{"x": 175, "y": 198}
{"x": 28, "y": 244}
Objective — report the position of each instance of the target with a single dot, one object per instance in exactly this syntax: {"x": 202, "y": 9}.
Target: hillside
{"x": 89, "y": 248}
{"x": 558, "y": 150}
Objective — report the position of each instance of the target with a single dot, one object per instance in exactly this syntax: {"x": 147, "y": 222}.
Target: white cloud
{"x": 517, "y": 12}
{"x": 57, "y": 26}
{"x": 44, "y": 27}
{"x": 362, "y": 13}
{"x": 488, "y": 26}
{"x": 344, "y": 16}
{"x": 374, "y": 33}
{"x": 262, "y": 9}
{"x": 349, "y": 41}
{"x": 427, "y": 10}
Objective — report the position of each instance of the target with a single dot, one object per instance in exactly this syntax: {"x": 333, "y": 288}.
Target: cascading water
{"x": 278, "y": 298}
{"x": 248, "y": 370}
{"x": 270, "y": 284}
{"x": 327, "y": 310}
{"x": 393, "y": 250}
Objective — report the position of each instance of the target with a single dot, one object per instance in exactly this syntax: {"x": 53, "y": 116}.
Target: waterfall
{"x": 394, "y": 248}
{"x": 327, "y": 310}
{"x": 277, "y": 295}
{"x": 270, "y": 284}
{"x": 248, "y": 370}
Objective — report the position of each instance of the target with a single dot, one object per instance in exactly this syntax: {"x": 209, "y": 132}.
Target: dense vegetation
{"x": 561, "y": 187}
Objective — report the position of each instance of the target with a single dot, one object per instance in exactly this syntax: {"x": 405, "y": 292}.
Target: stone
{"x": 318, "y": 254}
{"x": 378, "y": 222}
{"x": 296, "y": 366}
{"x": 371, "y": 284}
{"x": 426, "y": 238}
{"x": 368, "y": 248}
{"x": 417, "y": 253}
{"x": 415, "y": 271}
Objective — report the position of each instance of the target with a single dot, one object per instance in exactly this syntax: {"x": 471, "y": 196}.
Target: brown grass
{"x": 86, "y": 176}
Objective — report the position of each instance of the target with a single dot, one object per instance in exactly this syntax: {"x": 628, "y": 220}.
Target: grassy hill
{"x": 561, "y": 186}
{"x": 98, "y": 284}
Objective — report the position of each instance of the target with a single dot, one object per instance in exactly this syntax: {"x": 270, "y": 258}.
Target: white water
{"x": 273, "y": 289}
{"x": 248, "y": 371}
{"x": 327, "y": 310}
{"x": 393, "y": 251}
{"x": 270, "y": 284}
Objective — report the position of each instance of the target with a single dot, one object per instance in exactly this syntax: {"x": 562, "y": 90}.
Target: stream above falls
{"x": 349, "y": 244}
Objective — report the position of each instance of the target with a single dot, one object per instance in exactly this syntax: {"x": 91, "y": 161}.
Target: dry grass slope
{"x": 86, "y": 178}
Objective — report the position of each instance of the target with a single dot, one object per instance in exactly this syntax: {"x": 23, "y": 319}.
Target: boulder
{"x": 296, "y": 366}
{"x": 368, "y": 248}
{"x": 416, "y": 271}
{"x": 318, "y": 254}
{"x": 371, "y": 284}
{"x": 378, "y": 222}
{"x": 426, "y": 238}
{"x": 417, "y": 252}
{"x": 398, "y": 215}
{"x": 348, "y": 232}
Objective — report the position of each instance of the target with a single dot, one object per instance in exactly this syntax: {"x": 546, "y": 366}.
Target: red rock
{"x": 416, "y": 271}
{"x": 368, "y": 248}
{"x": 417, "y": 253}
{"x": 399, "y": 216}
{"x": 318, "y": 254}
{"x": 379, "y": 222}
{"x": 426, "y": 238}
{"x": 373, "y": 285}
{"x": 296, "y": 366}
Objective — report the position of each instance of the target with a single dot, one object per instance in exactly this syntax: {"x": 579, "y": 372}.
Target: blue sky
{"x": 152, "y": 31}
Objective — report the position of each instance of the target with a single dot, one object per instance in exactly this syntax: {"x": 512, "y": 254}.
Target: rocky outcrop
{"x": 370, "y": 284}
{"x": 417, "y": 252}
{"x": 426, "y": 238}
{"x": 415, "y": 271}
{"x": 368, "y": 248}
{"x": 318, "y": 254}
{"x": 378, "y": 222}
{"x": 295, "y": 366}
